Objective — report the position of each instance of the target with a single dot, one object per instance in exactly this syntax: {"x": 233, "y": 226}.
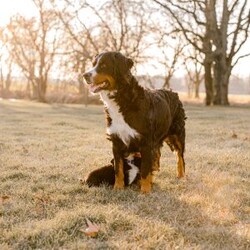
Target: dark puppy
{"x": 138, "y": 119}
{"x": 106, "y": 175}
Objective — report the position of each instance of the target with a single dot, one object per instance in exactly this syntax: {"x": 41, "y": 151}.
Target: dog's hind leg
{"x": 177, "y": 144}
{"x": 180, "y": 159}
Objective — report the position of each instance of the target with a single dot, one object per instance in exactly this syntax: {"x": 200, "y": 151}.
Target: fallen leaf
{"x": 4, "y": 198}
{"x": 92, "y": 229}
{"x": 234, "y": 135}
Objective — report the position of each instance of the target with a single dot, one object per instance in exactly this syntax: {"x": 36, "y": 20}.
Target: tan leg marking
{"x": 175, "y": 145}
{"x": 119, "y": 177}
{"x": 180, "y": 166}
{"x": 156, "y": 161}
{"x": 180, "y": 161}
{"x": 146, "y": 184}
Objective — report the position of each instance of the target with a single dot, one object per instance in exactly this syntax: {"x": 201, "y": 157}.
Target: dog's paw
{"x": 118, "y": 186}
{"x": 145, "y": 190}
{"x": 180, "y": 175}
{"x": 146, "y": 184}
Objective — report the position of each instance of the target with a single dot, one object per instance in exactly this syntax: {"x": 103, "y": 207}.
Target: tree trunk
{"x": 224, "y": 88}
{"x": 196, "y": 93}
{"x": 1, "y": 81}
{"x": 217, "y": 81}
{"x": 208, "y": 82}
{"x": 222, "y": 72}
{"x": 196, "y": 85}
{"x": 40, "y": 90}
{"x": 28, "y": 89}
{"x": 8, "y": 81}
{"x": 166, "y": 82}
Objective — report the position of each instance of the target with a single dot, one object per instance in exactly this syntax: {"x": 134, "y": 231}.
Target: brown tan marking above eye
{"x": 102, "y": 65}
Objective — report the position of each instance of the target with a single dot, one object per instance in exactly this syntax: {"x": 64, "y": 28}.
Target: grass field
{"x": 45, "y": 149}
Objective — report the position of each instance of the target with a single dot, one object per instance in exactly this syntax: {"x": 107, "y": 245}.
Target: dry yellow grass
{"x": 44, "y": 149}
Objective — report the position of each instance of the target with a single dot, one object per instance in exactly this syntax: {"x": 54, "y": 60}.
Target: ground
{"x": 45, "y": 149}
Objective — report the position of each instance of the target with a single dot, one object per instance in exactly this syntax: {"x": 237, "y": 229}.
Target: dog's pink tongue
{"x": 93, "y": 88}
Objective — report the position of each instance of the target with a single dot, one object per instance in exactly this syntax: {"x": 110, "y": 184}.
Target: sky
{"x": 27, "y": 8}
{"x": 11, "y": 7}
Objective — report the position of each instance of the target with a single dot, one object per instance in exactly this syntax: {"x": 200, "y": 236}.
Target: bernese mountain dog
{"x": 138, "y": 119}
{"x": 106, "y": 175}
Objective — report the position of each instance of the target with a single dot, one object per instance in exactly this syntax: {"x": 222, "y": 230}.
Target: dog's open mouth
{"x": 94, "y": 88}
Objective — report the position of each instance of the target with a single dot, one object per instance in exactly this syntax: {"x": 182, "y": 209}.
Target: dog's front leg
{"x": 146, "y": 169}
{"x": 119, "y": 172}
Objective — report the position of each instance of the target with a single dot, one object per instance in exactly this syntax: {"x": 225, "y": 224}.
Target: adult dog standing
{"x": 138, "y": 119}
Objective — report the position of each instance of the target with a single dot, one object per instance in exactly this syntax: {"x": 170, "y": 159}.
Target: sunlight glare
{"x": 11, "y": 7}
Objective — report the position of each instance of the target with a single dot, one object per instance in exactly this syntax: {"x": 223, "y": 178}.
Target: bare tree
{"x": 81, "y": 44}
{"x": 229, "y": 31}
{"x": 116, "y": 25}
{"x": 6, "y": 65}
{"x": 218, "y": 30}
{"x": 193, "y": 60}
{"x": 126, "y": 27}
{"x": 171, "y": 49}
{"x": 33, "y": 44}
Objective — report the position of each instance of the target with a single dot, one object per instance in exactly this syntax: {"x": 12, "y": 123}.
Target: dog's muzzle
{"x": 87, "y": 77}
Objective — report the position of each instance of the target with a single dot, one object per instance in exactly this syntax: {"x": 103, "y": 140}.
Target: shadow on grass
{"x": 188, "y": 224}
{"x": 161, "y": 218}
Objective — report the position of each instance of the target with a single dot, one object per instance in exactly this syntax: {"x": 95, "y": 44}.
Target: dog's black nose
{"x": 87, "y": 76}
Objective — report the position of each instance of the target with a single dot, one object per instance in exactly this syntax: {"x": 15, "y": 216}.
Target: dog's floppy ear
{"x": 130, "y": 63}
{"x": 122, "y": 63}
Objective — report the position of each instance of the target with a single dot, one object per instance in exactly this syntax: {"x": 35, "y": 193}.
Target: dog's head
{"x": 108, "y": 68}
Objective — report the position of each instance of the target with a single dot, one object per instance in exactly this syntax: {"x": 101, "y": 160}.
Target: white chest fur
{"x": 118, "y": 125}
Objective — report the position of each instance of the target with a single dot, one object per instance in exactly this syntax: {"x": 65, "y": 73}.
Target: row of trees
{"x": 202, "y": 36}
{"x": 217, "y": 30}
